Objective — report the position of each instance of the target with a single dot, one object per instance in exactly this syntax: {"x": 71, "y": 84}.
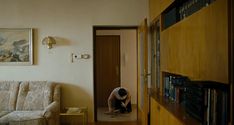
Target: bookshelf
{"x": 195, "y": 42}
{"x": 198, "y": 45}
{"x": 205, "y": 101}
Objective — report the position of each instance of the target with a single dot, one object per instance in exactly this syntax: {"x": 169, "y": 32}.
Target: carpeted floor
{"x": 101, "y": 116}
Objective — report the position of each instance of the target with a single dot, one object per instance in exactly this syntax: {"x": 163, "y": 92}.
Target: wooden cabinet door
{"x": 164, "y": 116}
{"x": 214, "y": 47}
{"x": 180, "y": 49}
{"x": 156, "y": 7}
{"x": 197, "y": 46}
{"x": 160, "y": 116}
{"x": 189, "y": 39}
{"x": 165, "y": 3}
{"x": 168, "y": 46}
{"x": 154, "y": 112}
{"x": 172, "y": 120}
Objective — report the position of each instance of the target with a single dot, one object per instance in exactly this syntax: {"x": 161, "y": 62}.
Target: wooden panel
{"x": 160, "y": 116}
{"x": 179, "y": 48}
{"x": 173, "y": 121}
{"x": 214, "y": 48}
{"x": 154, "y": 112}
{"x": 169, "y": 52}
{"x": 156, "y": 7}
{"x": 171, "y": 112}
{"x": 164, "y": 115}
{"x": 198, "y": 45}
{"x": 165, "y": 3}
{"x": 188, "y": 48}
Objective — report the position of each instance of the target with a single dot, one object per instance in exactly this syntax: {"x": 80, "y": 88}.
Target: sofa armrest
{"x": 51, "y": 109}
{"x": 54, "y": 107}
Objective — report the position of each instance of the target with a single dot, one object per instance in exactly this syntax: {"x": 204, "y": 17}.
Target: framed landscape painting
{"x": 16, "y": 46}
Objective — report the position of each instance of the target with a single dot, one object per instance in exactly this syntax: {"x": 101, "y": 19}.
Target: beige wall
{"x": 71, "y": 22}
{"x": 128, "y": 46}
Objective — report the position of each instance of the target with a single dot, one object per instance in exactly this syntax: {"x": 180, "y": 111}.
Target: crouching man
{"x": 119, "y": 101}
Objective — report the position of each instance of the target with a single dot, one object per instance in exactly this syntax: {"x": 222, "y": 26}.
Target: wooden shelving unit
{"x": 197, "y": 46}
{"x": 168, "y": 113}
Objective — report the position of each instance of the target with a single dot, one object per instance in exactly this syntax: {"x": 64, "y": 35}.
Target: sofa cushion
{"x": 21, "y": 116}
{"x": 8, "y": 95}
{"x": 40, "y": 121}
{"x": 34, "y": 95}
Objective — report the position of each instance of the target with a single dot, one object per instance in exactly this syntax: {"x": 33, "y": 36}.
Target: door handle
{"x": 145, "y": 76}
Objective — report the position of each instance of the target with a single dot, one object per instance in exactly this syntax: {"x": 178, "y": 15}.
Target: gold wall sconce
{"x": 49, "y": 41}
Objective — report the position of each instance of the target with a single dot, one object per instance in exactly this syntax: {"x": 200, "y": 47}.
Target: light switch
{"x": 78, "y": 56}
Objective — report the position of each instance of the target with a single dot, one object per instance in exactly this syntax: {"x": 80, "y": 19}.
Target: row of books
{"x": 183, "y": 9}
{"x": 217, "y": 107}
{"x": 207, "y": 103}
{"x": 191, "y": 6}
{"x": 173, "y": 87}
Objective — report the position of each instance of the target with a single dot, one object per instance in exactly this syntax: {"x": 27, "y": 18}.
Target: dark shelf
{"x": 181, "y": 9}
{"x": 174, "y": 108}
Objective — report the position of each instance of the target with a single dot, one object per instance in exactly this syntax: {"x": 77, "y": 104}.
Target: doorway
{"x": 115, "y": 64}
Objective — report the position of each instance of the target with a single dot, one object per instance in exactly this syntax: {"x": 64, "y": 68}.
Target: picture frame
{"x": 16, "y": 46}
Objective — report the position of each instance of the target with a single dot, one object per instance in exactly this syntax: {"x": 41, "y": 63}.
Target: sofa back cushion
{"x": 34, "y": 95}
{"x": 8, "y": 95}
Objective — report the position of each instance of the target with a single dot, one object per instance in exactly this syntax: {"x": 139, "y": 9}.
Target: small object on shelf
{"x": 76, "y": 111}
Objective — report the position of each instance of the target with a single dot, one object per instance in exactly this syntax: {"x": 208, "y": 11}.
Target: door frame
{"x": 95, "y": 28}
{"x": 143, "y": 73}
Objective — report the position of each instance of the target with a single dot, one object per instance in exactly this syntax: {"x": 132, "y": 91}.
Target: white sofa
{"x": 25, "y": 102}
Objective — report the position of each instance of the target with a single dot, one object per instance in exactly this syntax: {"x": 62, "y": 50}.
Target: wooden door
{"x": 231, "y": 62}
{"x": 107, "y": 67}
{"x": 154, "y": 112}
{"x": 143, "y": 98}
